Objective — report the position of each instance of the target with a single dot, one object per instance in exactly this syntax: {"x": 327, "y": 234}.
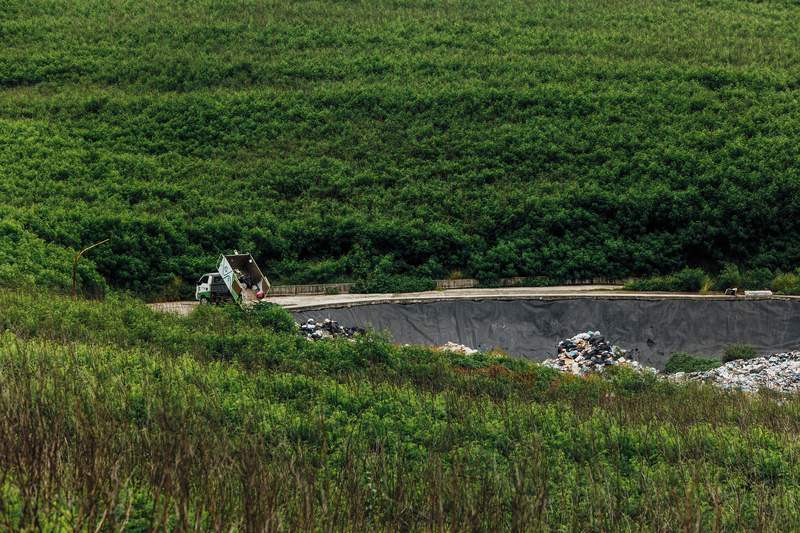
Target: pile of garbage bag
{"x": 327, "y": 329}
{"x": 588, "y": 351}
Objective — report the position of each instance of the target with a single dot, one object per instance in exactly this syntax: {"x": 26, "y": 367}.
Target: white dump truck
{"x": 237, "y": 278}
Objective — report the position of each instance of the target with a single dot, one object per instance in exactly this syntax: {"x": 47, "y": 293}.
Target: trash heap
{"x": 327, "y": 329}
{"x": 458, "y": 348}
{"x": 780, "y": 372}
{"x": 589, "y": 351}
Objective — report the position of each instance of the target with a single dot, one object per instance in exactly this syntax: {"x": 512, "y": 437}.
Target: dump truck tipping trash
{"x": 237, "y": 278}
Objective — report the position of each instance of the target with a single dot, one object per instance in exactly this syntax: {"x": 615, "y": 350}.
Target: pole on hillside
{"x": 75, "y": 267}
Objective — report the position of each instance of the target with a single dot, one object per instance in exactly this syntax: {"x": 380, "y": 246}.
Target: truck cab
{"x": 210, "y": 288}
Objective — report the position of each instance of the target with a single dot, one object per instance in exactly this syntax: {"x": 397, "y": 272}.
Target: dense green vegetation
{"x": 387, "y": 143}
{"x": 343, "y": 140}
{"x": 683, "y": 362}
{"x": 119, "y": 418}
{"x": 735, "y": 351}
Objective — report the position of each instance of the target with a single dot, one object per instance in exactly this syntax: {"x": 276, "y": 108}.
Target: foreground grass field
{"x": 341, "y": 141}
{"x": 116, "y": 417}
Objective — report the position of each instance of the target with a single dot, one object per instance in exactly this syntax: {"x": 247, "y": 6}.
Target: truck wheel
{"x": 203, "y": 300}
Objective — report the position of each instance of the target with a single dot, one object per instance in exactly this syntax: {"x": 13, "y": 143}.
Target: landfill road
{"x": 327, "y": 301}
{"x": 320, "y": 301}
{"x": 324, "y": 301}
{"x": 182, "y": 308}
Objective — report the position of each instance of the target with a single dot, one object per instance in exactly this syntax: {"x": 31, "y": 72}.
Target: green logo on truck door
{"x": 228, "y": 277}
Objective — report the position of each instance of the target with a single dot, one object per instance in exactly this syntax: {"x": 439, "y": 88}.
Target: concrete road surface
{"x": 320, "y": 301}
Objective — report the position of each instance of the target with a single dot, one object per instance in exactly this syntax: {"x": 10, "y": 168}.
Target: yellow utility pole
{"x": 75, "y": 267}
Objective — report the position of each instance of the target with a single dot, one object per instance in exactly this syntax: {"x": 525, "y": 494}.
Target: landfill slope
{"x": 650, "y": 330}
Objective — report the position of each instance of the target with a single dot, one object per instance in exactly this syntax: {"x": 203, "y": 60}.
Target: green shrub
{"x": 273, "y": 316}
{"x": 455, "y": 274}
{"x": 732, "y": 352}
{"x": 728, "y": 278}
{"x": 175, "y": 290}
{"x": 649, "y": 285}
{"x": 627, "y": 380}
{"x": 786, "y": 282}
{"x": 757, "y": 279}
{"x": 689, "y": 280}
{"x": 794, "y": 290}
{"x": 683, "y": 362}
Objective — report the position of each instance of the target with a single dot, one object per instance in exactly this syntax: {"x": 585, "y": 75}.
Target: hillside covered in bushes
{"x": 342, "y": 140}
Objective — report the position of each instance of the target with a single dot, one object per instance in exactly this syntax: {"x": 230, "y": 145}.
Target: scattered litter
{"x": 327, "y": 329}
{"x": 590, "y": 351}
{"x": 780, "y": 372}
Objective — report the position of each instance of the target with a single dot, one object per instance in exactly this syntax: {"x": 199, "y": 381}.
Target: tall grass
{"x": 99, "y": 435}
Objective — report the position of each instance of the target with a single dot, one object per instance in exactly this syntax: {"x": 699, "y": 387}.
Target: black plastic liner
{"x": 650, "y": 329}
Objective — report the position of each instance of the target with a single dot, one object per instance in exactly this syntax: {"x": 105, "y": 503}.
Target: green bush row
{"x": 696, "y": 280}
{"x": 683, "y": 362}
{"x": 736, "y": 351}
